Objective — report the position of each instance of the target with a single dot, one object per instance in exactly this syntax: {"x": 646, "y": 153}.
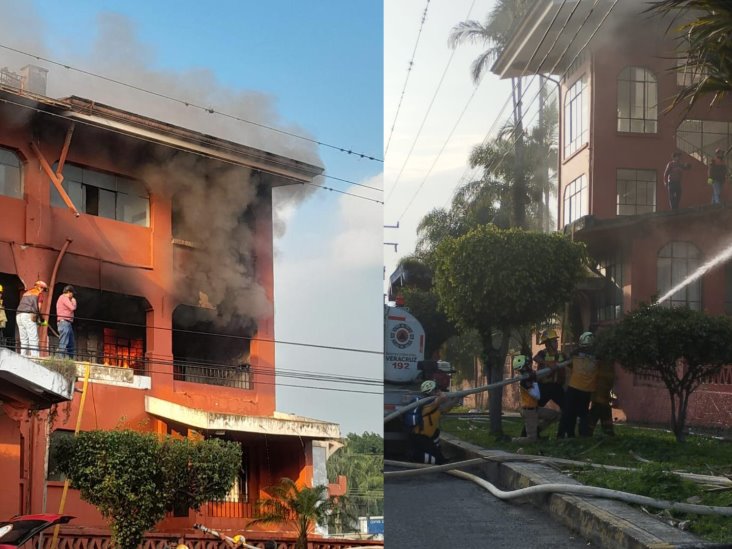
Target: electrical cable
{"x": 424, "y": 119}
{"x": 209, "y": 110}
{"x": 188, "y": 151}
{"x": 406, "y": 80}
{"x": 228, "y": 336}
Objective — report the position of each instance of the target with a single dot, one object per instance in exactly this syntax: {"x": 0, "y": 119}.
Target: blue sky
{"x": 311, "y": 67}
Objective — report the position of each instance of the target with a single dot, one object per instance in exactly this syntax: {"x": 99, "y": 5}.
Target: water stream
{"x": 721, "y": 257}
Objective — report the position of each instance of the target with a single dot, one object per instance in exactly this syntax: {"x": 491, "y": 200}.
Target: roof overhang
{"x": 97, "y": 115}
{"x": 548, "y": 39}
{"x": 278, "y": 424}
{"x": 24, "y": 382}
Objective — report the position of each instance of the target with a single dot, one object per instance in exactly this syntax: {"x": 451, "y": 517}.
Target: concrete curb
{"x": 607, "y": 523}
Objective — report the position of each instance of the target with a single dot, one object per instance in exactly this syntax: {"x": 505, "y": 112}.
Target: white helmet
{"x": 428, "y": 386}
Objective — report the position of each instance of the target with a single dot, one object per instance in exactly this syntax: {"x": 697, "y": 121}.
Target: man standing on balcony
{"x": 672, "y": 179}
{"x": 65, "y": 307}
{"x": 29, "y": 317}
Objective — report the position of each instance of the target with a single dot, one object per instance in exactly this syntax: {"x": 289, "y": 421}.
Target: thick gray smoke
{"x": 210, "y": 203}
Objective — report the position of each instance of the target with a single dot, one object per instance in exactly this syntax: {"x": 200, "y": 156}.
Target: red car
{"x": 16, "y": 531}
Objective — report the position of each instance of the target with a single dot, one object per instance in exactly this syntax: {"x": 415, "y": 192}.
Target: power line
{"x": 227, "y": 336}
{"x": 209, "y": 110}
{"x": 426, "y": 115}
{"x": 188, "y": 151}
{"x": 406, "y": 80}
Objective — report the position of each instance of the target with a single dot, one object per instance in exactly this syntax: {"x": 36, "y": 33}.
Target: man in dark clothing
{"x": 717, "y": 174}
{"x": 672, "y": 179}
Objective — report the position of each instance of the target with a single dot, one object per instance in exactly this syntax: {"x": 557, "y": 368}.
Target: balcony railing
{"x": 237, "y": 377}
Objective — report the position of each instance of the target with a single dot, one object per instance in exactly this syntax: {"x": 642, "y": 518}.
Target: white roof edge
{"x": 277, "y": 424}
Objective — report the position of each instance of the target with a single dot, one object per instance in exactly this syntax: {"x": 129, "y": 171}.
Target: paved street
{"x": 441, "y": 511}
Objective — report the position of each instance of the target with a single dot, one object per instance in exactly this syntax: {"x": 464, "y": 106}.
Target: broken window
{"x": 575, "y": 200}
{"x": 212, "y": 350}
{"x": 104, "y": 195}
{"x": 576, "y": 117}
{"x": 636, "y": 191}
{"x": 121, "y": 350}
{"x": 637, "y": 101}
{"x": 610, "y": 301}
{"x": 675, "y": 262}
{"x": 10, "y": 180}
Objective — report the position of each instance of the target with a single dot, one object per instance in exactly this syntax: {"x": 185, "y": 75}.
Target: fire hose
{"x": 574, "y": 489}
{"x": 541, "y": 373}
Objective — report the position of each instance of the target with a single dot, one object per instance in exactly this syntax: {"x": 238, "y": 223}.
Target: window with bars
{"x": 610, "y": 301}
{"x": 636, "y": 191}
{"x": 123, "y": 351}
{"x": 576, "y": 117}
{"x": 575, "y": 200}
{"x": 676, "y": 261}
{"x": 637, "y": 101}
{"x": 104, "y": 195}
{"x": 10, "y": 180}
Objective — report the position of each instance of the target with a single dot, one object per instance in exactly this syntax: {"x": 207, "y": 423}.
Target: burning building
{"x": 617, "y": 70}
{"x": 167, "y": 235}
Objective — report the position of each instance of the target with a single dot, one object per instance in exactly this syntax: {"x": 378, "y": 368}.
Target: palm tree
{"x": 299, "y": 507}
{"x": 495, "y": 34}
{"x": 706, "y": 44}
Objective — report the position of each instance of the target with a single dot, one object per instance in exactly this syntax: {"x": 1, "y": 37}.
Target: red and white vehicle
{"x": 18, "y": 530}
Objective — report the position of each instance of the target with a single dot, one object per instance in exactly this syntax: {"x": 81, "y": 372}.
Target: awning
{"x": 277, "y": 424}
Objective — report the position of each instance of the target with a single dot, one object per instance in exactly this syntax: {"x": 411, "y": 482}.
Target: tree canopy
{"x": 135, "y": 478}
{"x": 495, "y": 280}
{"x": 704, "y": 31}
{"x": 681, "y": 347}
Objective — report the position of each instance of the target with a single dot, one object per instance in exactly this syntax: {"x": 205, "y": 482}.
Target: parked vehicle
{"x": 19, "y": 529}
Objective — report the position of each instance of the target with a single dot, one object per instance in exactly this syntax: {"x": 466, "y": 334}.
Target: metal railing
{"x": 237, "y": 377}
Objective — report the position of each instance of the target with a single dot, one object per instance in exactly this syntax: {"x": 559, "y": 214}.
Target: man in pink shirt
{"x": 65, "y": 307}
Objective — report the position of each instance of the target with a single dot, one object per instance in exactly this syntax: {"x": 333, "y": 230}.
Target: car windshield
{"x": 11, "y": 532}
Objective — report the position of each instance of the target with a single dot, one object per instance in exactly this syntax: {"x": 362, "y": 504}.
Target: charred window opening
{"x": 109, "y": 328}
{"x": 10, "y": 297}
{"x": 212, "y": 350}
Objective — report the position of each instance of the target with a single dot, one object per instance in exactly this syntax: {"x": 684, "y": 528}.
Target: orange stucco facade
{"x": 140, "y": 264}
{"x": 615, "y": 139}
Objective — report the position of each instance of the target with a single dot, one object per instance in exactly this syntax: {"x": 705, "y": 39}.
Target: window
{"x": 104, "y": 195}
{"x": 575, "y": 200}
{"x": 688, "y": 73}
{"x": 10, "y": 174}
{"x": 700, "y": 138}
{"x": 636, "y": 191}
{"x": 637, "y": 101}
{"x": 53, "y": 471}
{"x": 575, "y": 117}
{"x": 675, "y": 262}
{"x": 610, "y": 301}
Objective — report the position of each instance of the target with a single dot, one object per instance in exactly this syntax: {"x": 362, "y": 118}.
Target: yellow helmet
{"x": 239, "y": 539}
{"x": 181, "y": 546}
{"x": 548, "y": 334}
{"x": 1, "y": 287}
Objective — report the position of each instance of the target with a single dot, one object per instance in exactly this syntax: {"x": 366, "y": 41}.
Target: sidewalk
{"x": 607, "y": 523}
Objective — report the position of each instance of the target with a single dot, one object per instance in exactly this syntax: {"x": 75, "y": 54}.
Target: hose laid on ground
{"x": 543, "y": 372}
{"x": 573, "y": 489}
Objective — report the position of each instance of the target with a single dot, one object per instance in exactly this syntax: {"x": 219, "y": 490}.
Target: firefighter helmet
{"x": 239, "y": 539}
{"x": 42, "y": 285}
{"x": 428, "y": 386}
{"x": 1, "y": 287}
{"x": 548, "y": 334}
{"x": 586, "y": 339}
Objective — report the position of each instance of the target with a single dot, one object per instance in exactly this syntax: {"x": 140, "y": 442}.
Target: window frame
{"x": 647, "y": 206}
{"x": 645, "y": 87}
{"x": 579, "y": 195}
{"x": 19, "y": 167}
{"x": 576, "y": 117}
{"x": 688, "y": 263}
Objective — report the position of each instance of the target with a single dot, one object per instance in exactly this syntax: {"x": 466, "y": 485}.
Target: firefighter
{"x": 425, "y": 436}
{"x": 29, "y": 318}
{"x": 536, "y": 418}
{"x": 600, "y": 409}
{"x": 582, "y": 382}
{"x": 551, "y": 385}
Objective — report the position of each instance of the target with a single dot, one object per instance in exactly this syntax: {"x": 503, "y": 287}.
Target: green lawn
{"x": 699, "y": 454}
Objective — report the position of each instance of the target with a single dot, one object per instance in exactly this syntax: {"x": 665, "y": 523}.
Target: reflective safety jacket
{"x": 584, "y": 373}
{"x": 546, "y": 359}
